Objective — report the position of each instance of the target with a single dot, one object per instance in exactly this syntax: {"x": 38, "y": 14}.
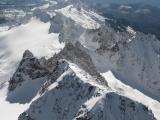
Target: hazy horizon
{"x": 150, "y": 2}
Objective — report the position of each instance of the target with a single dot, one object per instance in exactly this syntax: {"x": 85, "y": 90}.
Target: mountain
{"x": 82, "y": 94}
{"x": 115, "y": 51}
{"x": 68, "y": 60}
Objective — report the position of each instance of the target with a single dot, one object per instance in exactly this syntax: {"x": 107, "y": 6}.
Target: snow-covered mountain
{"x": 67, "y": 92}
{"x": 61, "y": 60}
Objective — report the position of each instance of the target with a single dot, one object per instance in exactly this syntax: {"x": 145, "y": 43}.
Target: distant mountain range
{"x": 150, "y": 2}
{"x": 141, "y": 16}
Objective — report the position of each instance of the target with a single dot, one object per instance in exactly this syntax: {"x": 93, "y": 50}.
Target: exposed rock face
{"x": 29, "y": 67}
{"x": 24, "y": 116}
{"x": 76, "y": 55}
{"x": 59, "y": 67}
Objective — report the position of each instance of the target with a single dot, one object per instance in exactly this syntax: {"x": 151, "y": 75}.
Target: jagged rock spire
{"x": 28, "y": 54}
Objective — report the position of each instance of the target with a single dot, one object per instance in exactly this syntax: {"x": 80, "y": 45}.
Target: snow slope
{"x": 131, "y": 93}
{"x": 10, "y": 111}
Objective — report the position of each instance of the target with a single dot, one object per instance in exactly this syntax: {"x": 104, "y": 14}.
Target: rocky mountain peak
{"x": 27, "y": 54}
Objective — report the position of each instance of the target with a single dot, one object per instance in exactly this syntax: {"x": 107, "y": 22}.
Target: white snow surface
{"x": 130, "y": 30}
{"x": 127, "y": 91}
{"x": 10, "y": 111}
